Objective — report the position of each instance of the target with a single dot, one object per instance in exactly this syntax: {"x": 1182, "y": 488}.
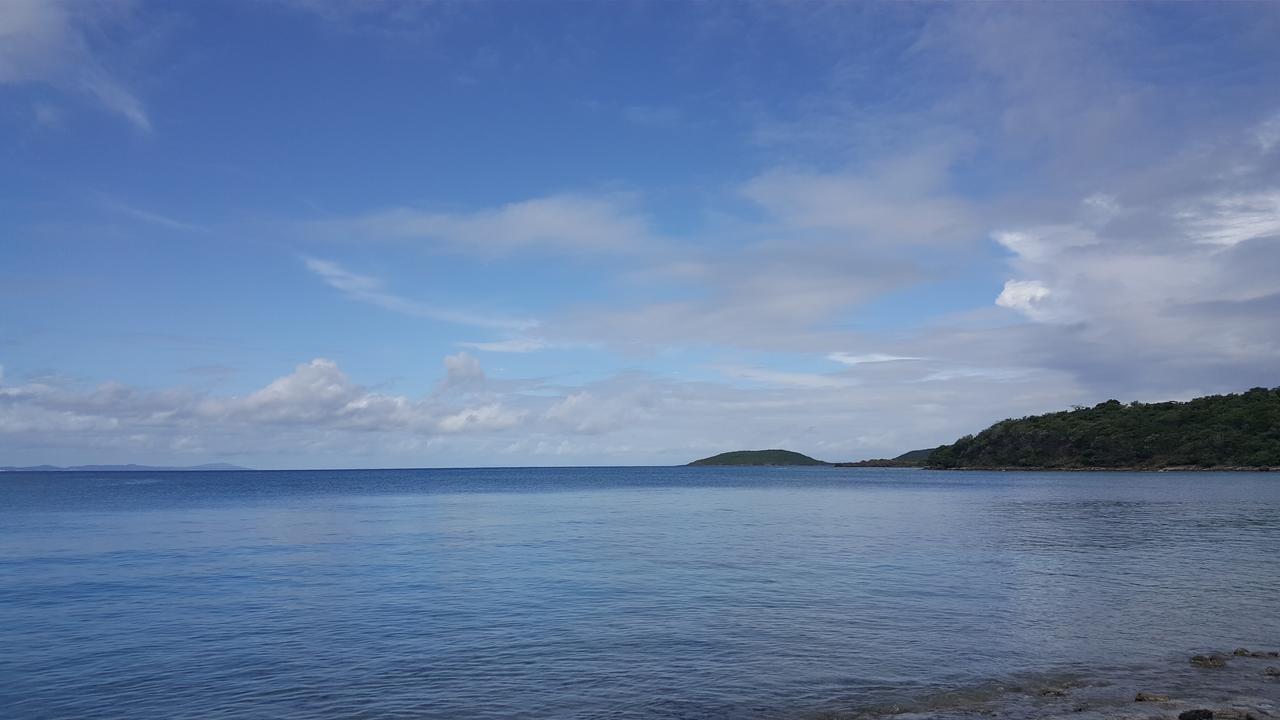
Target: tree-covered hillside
{"x": 1215, "y": 431}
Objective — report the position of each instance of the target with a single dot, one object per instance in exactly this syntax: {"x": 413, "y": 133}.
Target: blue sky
{"x": 352, "y": 234}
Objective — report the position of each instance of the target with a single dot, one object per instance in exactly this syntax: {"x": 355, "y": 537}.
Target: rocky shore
{"x": 1155, "y": 468}
{"x": 1240, "y": 685}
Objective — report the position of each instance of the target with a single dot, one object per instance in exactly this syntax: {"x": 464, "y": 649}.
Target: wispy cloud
{"x": 786, "y": 379}
{"x": 864, "y": 359}
{"x": 152, "y": 218}
{"x": 573, "y": 223}
{"x": 655, "y": 116}
{"x": 368, "y": 289}
{"x": 45, "y": 41}
{"x": 512, "y": 345}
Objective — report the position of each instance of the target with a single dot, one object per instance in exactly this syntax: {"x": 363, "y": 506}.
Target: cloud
{"x": 485, "y": 417}
{"x": 852, "y": 359}
{"x": 654, "y": 116}
{"x": 1026, "y": 296}
{"x": 903, "y": 199}
{"x": 1233, "y": 219}
{"x": 512, "y": 345}
{"x": 50, "y": 41}
{"x": 365, "y": 288}
{"x": 786, "y": 379}
{"x": 463, "y": 368}
{"x": 317, "y": 415}
{"x": 152, "y": 218}
{"x": 567, "y": 223}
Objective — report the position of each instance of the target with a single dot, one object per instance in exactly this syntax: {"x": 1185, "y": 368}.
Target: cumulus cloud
{"x": 1026, "y": 296}
{"x": 317, "y": 415}
{"x": 485, "y": 417}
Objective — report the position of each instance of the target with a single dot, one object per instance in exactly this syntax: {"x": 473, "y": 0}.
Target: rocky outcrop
{"x": 1209, "y": 661}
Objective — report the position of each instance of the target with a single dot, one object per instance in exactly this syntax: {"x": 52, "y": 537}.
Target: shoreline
{"x": 1241, "y": 685}
{"x": 1045, "y": 468}
{"x": 1148, "y": 469}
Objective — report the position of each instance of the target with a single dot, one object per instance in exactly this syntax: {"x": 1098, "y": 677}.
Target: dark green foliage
{"x": 915, "y": 456}
{"x": 911, "y": 458}
{"x": 1215, "y": 431}
{"x": 759, "y": 457}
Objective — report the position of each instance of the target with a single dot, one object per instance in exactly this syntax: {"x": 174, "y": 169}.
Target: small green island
{"x": 759, "y": 457}
{"x": 1216, "y": 432}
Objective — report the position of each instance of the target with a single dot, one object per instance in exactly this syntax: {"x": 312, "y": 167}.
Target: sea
{"x": 620, "y": 593}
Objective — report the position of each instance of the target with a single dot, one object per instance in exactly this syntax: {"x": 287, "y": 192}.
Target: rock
{"x": 1208, "y": 661}
{"x": 1242, "y": 652}
{"x": 1053, "y": 692}
{"x": 1150, "y": 697}
{"x": 1200, "y": 714}
{"x": 1233, "y": 714}
{"x": 1272, "y": 671}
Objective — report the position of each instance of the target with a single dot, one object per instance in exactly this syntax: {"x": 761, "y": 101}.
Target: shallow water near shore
{"x": 630, "y": 592}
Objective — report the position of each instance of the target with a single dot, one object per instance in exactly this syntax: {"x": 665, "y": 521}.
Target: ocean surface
{"x": 619, "y": 592}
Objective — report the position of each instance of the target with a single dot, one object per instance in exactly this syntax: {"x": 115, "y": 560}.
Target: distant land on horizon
{"x": 759, "y": 458}
{"x": 911, "y": 458}
{"x": 1222, "y": 432}
{"x": 123, "y": 468}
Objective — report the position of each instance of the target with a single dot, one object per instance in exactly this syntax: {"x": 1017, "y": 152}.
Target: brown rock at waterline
{"x": 1233, "y": 714}
{"x": 1150, "y": 697}
{"x": 1200, "y": 714}
{"x": 1208, "y": 661}
{"x": 1271, "y": 671}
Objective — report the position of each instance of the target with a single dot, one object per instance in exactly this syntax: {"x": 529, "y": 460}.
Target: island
{"x": 758, "y": 457}
{"x": 1216, "y": 432}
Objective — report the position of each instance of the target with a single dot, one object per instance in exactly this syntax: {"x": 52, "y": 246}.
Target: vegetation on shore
{"x": 1217, "y": 431}
{"x": 911, "y": 458}
{"x": 759, "y": 457}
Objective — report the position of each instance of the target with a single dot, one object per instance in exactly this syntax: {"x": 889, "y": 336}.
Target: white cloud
{"x": 786, "y": 379}
{"x": 318, "y": 416}
{"x": 903, "y": 202}
{"x": 153, "y": 218}
{"x": 867, "y": 358}
{"x": 511, "y": 345}
{"x": 1026, "y": 296}
{"x": 1268, "y": 133}
{"x": 368, "y": 289}
{"x": 463, "y": 368}
{"x": 1233, "y": 219}
{"x": 573, "y": 223}
{"x": 45, "y": 41}
{"x": 485, "y": 417}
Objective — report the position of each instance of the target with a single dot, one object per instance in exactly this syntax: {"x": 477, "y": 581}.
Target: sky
{"x": 334, "y": 233}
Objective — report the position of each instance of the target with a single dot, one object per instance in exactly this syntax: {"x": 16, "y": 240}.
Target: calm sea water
{"x": 613, "y": 592}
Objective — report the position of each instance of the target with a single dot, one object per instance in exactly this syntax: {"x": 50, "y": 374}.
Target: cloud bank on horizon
{"x": 310, "y": 233}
